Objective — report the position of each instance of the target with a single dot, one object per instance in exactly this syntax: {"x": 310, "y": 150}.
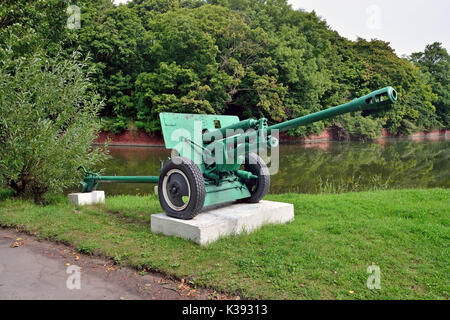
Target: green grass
{"x": 323, "y": 254}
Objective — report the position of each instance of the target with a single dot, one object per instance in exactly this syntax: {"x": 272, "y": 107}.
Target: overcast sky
{"x": 408, "y": 25}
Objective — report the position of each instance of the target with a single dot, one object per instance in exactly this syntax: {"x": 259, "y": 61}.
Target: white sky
{"x": 409, "y": 25}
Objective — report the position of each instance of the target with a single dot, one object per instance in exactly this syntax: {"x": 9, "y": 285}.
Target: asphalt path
{"x": 32, "y": 269}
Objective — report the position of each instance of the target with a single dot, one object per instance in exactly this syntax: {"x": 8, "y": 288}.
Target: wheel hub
{"x": 176, "y": 189}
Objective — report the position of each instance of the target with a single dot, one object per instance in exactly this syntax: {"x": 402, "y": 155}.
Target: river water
{"x": 317, "y": 167}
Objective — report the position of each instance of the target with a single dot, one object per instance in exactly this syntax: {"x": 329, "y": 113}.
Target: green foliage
{"x": 5, "y": 194}
{"x": 381, "y": 67}
{"x": 112, "y": 36}
{"x": 115, "y": 125}
{"x": 171, "y": 88}
{"x": 357, "y": 126}
{"x": 435, "y": 64}
{"x": 48, "y": 121}
{"x": 47, "y": 18}
{"x": 249, "y": 58}
{"x": 206, "y": 60}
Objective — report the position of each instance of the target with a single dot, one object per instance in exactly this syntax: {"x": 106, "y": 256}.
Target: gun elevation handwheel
{"x": 181, "y": 188}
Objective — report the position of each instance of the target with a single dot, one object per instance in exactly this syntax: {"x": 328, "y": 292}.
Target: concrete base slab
{"x": 82, "y": 199}
{"x": 214, "y": 223}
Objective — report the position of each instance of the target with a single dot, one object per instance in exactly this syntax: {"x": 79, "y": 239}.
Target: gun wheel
{"x": 258, "y": 187}
{"x": 181, "y": 188}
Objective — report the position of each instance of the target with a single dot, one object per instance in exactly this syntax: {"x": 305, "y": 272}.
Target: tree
{"x": 169, "y": 89}
{"x": 251, "y": 58}
{"x": 378, "y": 66}
{"x": 434, "y": 62}
{"x": 206, "y": 59}
{"x": 48, "y": 121}
{"x": 112, "y": 36}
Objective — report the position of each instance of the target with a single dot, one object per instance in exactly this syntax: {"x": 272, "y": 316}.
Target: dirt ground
{"x": 32, "y": 269}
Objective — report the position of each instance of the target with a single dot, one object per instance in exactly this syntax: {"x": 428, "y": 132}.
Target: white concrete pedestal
{"x": 82, "y": 199}
{"x": 235, "y": 218}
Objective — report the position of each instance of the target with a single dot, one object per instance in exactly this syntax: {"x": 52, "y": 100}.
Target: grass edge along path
{"x": 323, "y": 254}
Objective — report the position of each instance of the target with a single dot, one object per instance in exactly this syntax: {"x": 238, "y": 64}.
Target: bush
{"x": 356, "y": 126}
{"x": 48, "y": 121}
{"x": 114, "y": 125}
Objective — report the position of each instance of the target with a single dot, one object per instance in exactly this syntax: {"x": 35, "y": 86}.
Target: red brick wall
{"x": 128, "y": 138}
{"x": 141, "y": 138}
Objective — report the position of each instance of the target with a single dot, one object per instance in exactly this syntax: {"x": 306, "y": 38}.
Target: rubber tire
{"x": 259, "y": 168}
{"x": 196, "y": 183}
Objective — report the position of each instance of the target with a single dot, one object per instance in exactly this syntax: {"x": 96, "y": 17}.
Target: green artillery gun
{"x": 215, "y": 157}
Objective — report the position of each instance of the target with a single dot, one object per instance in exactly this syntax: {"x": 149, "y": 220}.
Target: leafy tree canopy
{"x": 251, "y": 58}
{"x": 435, "y": 64}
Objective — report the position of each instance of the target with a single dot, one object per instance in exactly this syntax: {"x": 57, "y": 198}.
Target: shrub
{"x": 357, "y": 126}
{"x": 114, "y": 125}
{"x": 48, "y": 121}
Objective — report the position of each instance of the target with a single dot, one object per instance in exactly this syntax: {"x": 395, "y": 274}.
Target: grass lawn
{"x": 323, "y": 254}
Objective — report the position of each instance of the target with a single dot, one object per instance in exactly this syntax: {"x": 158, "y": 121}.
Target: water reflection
{"x": 318, "y": 167}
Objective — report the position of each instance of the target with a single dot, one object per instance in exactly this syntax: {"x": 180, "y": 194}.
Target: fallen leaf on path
{"x": 17, "y": 244}
{"x": 192, "y": 293}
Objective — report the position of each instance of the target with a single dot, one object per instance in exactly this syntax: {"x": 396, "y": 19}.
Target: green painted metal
{"x": 244, "y": 125}
{"x": 218, "y": 145}
{"x": 91, "y": 180}
{"x": 373, "y": 101}
{"x": 226, "y": 191}
{"x": 130, "y": 179}
{"x": 171, "y": 123}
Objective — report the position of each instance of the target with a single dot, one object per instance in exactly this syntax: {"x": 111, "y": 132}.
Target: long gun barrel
{"x": 376, "y": 100}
